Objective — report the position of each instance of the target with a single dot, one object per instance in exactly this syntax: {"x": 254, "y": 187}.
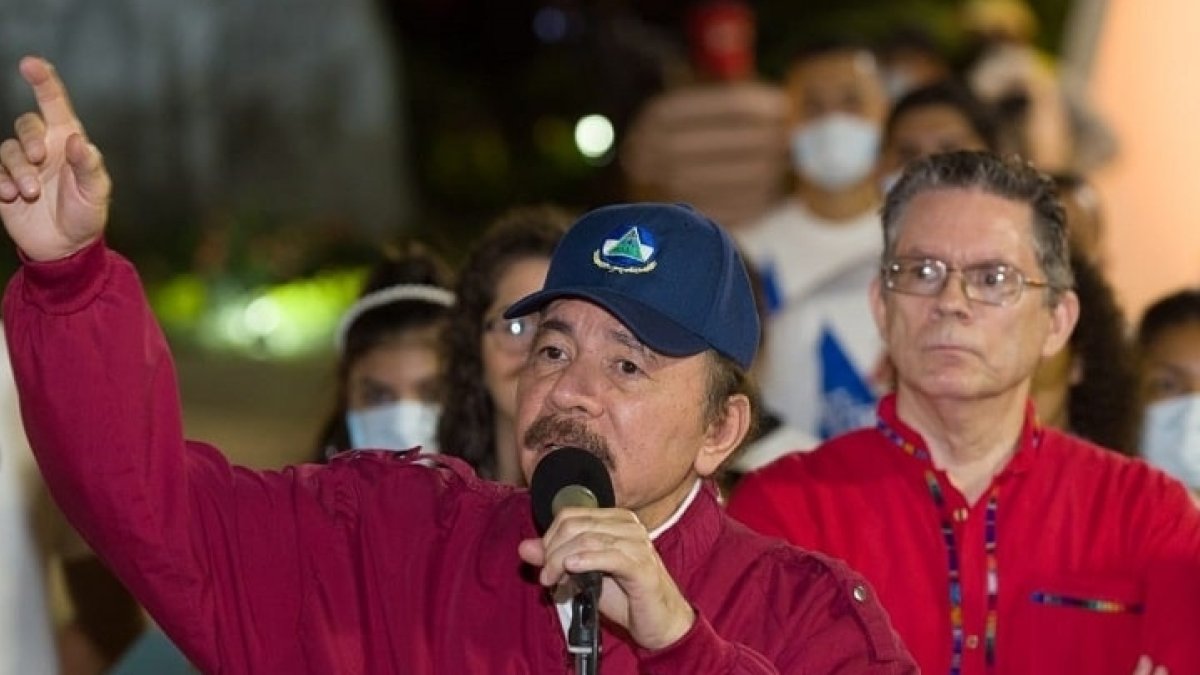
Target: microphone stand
{"x": 583, "y": 637}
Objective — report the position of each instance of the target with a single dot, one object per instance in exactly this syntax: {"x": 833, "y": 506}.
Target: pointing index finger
{"x": 50, "y": 92}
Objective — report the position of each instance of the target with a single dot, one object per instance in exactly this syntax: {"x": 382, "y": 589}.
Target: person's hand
{"x": 638, "y": 593}
{"x": 1146, "y": 667}
{"x": 54, "y": 190}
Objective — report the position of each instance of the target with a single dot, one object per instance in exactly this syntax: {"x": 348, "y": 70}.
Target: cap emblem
{"x": 627, "y": 250}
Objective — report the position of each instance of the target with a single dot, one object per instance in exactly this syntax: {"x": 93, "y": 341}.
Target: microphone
{"x": 570, "y": 477}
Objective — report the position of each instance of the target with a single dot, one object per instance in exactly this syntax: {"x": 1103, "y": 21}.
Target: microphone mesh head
{"x": 568, "y": 467}
{"x": 573, "y": 496}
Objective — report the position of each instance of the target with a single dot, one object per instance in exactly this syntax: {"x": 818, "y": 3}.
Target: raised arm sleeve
{"x": 211, "y": 550}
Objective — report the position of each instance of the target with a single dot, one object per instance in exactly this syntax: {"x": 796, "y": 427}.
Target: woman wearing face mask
{"x": 1168, "y": 339}
{"x": 484, "y": 351}
{"x": 818, "y": 250}
{"x": 389, "y": 368}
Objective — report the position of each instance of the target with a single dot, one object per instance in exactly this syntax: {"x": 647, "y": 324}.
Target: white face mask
{"x": 836, "y": 151}
{"x": 1171, "y": 437}
{"x": 396, "y": 426}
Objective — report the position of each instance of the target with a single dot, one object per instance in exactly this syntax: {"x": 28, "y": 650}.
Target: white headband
{"x": 386, "y": 296}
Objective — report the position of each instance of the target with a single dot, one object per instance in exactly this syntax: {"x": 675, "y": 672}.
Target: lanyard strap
{"x": 953, "y": 564}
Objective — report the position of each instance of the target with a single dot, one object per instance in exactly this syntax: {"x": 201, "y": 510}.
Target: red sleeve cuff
{"x": 699, "y": 650}
{"x": 66, "y": 285}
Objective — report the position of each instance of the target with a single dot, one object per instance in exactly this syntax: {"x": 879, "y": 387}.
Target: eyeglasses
{"x": 990, "y": 283}
{"x": 515, "y": 335}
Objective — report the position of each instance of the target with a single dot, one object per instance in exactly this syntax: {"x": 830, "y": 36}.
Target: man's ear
{"x": 724, "y": 435}
{"x": 1063, "y": 317}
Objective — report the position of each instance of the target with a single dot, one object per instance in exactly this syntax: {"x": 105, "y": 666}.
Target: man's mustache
{"x": 561, "y": 431}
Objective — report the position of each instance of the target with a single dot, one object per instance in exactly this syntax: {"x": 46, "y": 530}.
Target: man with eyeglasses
{"x": 998, "y": 546}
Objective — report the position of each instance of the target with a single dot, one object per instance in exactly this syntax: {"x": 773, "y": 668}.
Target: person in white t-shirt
{"x": 819, "y": 249}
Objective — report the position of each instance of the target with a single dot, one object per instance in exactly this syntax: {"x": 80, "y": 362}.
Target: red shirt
{"x": 1097, "y": 556}
{"x": 376, "y": 563}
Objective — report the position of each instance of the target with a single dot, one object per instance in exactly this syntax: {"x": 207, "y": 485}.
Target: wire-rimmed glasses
{"x": 991, "y": 283}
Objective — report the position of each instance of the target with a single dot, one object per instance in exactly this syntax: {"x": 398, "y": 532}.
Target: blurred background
{"x": 265, "y": 152}
{"x": 264, "y": 149}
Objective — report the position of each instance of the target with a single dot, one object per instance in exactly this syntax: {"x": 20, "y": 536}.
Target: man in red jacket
{"x": 996, "y": 544}
{"x": 378, "y": 563}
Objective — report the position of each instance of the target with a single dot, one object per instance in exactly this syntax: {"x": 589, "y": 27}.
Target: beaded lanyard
{"x": 993, "y": 578}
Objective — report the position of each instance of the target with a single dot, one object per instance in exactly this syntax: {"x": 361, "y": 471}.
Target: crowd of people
{"x": 963, "y": 457}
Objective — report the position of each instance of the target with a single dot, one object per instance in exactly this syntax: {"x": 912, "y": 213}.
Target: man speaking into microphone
{"x": 377, "y": 563}
{"x": 647, "y": 328}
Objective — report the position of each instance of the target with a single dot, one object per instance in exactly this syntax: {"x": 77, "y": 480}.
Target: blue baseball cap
{"x": 671, "y": 275}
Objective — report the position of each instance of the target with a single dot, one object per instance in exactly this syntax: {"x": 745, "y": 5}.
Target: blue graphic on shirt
{"x": 772, "y": 295}
{"x": 847, "y": 402}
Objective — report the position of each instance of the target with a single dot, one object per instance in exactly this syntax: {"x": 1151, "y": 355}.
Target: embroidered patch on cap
{"x": 627, "y": 250}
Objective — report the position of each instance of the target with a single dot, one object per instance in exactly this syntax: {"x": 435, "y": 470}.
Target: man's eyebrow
{"x": 375, "y": 383}
{"x": 557, "y": 325}
{"x": 981, "y": 262}
{"x": 622, "y": 337}
{"x": 629, "y": 341}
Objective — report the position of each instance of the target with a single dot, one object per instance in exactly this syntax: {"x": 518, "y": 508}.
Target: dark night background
{"x": 492, "y": 105}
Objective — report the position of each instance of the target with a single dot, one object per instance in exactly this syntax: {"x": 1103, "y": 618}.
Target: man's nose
{"x": 575, "y": 388}
{"x": 953, "y": 298}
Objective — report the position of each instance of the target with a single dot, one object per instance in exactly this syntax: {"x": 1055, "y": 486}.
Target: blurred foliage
{"x": 254, "y": 285}
{"x": 287, "y": 320}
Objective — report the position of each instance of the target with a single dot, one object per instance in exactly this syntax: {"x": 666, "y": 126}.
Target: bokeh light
{"x": 594, "y": 136}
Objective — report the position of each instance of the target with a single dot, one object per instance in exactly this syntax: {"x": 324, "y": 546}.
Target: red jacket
{"x": 1075, "y": 525}
{"x": 374, "y": 564}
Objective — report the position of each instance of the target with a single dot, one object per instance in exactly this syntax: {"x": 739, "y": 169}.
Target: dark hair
{"x": 909, "y": 39}
{"x": 407, "y": 262}
{"x": 1074, "y": 183}
{"x": 950, "y": 94}
{"x": 466, "y": 428}
{"x": 1103, "y": 406}
{"x": 1010, "y": 178}
{"x": 1069, "y": 180}
{"x": 1177, "y": 309}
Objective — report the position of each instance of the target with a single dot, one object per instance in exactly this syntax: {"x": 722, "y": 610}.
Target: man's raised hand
{"x": 54, "y": 189}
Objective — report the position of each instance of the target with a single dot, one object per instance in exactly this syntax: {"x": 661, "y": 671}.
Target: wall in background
{"x": 1144, "y": 83}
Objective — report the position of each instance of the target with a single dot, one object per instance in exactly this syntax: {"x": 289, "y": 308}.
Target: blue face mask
{"x": 395, "y": 426}
{"x": 1171, "y": 437}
